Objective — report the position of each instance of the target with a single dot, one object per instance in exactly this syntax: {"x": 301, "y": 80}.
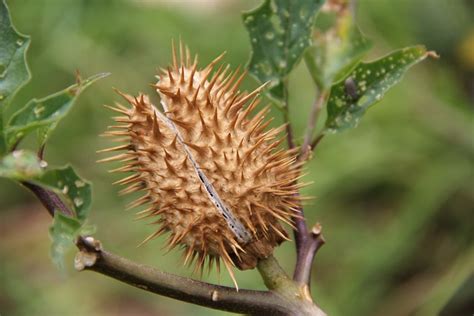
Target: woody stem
{"x": 307, "y": 243}
{"x": 288, "y": 290}
{"x": 92, "y": 257}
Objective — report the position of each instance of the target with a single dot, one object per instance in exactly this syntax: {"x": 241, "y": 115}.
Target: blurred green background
{"x": 395, "y": 196}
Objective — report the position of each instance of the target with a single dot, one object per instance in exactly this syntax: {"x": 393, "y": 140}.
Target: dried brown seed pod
{"x": 212, "y": 174}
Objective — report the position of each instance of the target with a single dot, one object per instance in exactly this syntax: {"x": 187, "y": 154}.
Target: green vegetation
{"x": 394, "y": 195}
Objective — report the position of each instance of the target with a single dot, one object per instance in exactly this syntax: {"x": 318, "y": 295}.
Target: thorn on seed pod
{"x": 203, "y": 150}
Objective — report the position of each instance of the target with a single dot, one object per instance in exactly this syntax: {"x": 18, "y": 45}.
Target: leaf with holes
{"x": 336, "y": 52}
{"x": 366, "y": 85}
{"x": 68, "y": 184}
{"x": 23, "y": 165}
{"x": 64, "y": 229}
{"x": 14, "y": 71}
{"x": 42, "y": 115}
{"x": 280, "y": 31}
{"x": 63, "y": 232}
{"x": 20, "y": 165}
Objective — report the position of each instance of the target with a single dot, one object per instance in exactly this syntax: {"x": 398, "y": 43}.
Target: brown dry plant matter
{"x": 213, "y": 174}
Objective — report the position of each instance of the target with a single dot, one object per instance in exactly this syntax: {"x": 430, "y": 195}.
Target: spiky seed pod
{"x": 213, "y": 177}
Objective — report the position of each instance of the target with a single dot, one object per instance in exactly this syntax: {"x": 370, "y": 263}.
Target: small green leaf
{"x": 366, "y": 85}
{"x": 67, "y": 183}
{"x": 20, "y": 165}
{"x": 63, "y": 231}
{"x": 14, "y": 71}
{"x": 280, "y": 31}
{"x": 337, "y": 51}
{"x": 44, "y": 114}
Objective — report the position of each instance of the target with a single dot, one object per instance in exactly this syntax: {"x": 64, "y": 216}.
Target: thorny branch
{"x": 285, "y": 296}
{"x": 280, "y": 300}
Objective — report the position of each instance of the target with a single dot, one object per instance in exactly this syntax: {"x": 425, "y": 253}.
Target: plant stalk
{"x": 295, "y": 295}
{"x": 92, "y": 257}
{"x": 275, "y": 302}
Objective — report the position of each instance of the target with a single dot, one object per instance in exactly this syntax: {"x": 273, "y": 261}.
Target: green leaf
{"x": 280, "y": 31}
{"x": 67, "y": 183}
{"x": 337, "y": 51}
{"x": 14, "y": 72}
{"x": 366, "y": 85}
{"x": 77, "y": 191}
{"x": 43, "y": 115}
{"x": 20, "y": 165}
{"x": 23, "y": 165}
{"x": 63, "y": 231}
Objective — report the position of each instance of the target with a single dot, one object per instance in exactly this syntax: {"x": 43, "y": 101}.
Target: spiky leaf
{"x": 14, "y": 71}
{"x": 366, "y": 85}
{"x": 336, "y": 52}
{"x": 280, "y": 31}
{"x": 20, "y": 165}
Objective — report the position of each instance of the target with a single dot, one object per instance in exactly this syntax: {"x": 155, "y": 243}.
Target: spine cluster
{"x": 212, "y": 174}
